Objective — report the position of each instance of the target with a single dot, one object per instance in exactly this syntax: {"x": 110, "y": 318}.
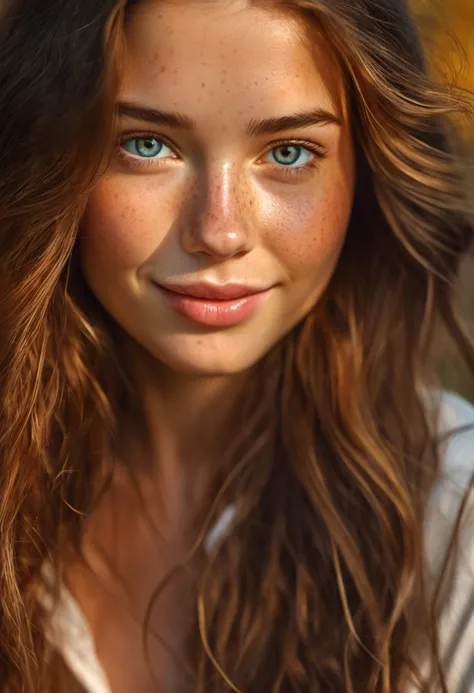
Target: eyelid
{"x": 313, "y": 146}
{"x": 134, "y": 135}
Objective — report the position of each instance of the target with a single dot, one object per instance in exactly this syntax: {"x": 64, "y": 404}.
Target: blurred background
{"x": 447, "y": 27}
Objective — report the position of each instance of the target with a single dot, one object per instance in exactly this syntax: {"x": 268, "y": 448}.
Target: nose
{"x": 219, "y": 224}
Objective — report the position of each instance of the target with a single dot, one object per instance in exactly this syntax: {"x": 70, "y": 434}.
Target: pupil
{"x": 287, "y": 151}
{"x": 147, "y": 147}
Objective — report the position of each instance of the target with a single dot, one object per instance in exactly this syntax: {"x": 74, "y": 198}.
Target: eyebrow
{"x": 255, "y": 128}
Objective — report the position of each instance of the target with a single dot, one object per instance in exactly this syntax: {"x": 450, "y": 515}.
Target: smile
{"x": 215, "y": 306}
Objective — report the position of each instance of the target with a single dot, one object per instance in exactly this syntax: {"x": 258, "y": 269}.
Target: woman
{"x": 228, "y": 235}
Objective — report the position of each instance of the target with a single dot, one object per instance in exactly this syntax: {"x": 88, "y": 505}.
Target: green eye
{"x": 289, "y": 154}
{"x": 146, "y": 147}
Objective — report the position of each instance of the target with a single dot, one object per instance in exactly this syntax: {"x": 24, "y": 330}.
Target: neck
{"x": 181, "y": 422}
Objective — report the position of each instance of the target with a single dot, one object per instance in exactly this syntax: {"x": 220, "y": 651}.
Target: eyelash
{"x": 288, "y": 171}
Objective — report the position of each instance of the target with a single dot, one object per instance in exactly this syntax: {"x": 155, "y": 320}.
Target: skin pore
{"x": 205, "y": 201}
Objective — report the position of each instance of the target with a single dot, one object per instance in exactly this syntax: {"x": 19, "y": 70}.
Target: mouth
{"x": 215, "y": 292}
{"x": 214, "y": 305}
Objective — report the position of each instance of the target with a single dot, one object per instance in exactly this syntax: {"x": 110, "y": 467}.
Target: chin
{"x": 200, "y": 361}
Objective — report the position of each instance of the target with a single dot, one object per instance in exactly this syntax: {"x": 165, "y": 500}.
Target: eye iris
{"x": 289, "y": 148}
{"x": 147, "y": 146}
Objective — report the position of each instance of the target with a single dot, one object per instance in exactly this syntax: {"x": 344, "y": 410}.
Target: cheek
{"x": 120, "y": 224}
{"x": 311, "y": 229}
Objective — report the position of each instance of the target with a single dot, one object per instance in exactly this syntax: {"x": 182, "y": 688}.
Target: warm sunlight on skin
{"x": 213, "y": 199}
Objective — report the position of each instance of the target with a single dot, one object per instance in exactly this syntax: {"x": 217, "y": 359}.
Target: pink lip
{"x": 212, "y": 305}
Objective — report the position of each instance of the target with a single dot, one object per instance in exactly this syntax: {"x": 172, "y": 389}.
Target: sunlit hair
{"x": 319, "y": 586}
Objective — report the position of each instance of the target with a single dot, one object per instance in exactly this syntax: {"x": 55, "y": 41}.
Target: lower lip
{"x": 215, "y": 313}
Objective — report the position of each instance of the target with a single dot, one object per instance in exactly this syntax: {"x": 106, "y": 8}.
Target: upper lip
{"x": 214, "y": 291}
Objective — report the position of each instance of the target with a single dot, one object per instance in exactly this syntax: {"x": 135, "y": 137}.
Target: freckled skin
{"x": 218, "y": 207}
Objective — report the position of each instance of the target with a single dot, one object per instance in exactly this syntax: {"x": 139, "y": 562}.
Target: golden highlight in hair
{"x": 319, "y": 587}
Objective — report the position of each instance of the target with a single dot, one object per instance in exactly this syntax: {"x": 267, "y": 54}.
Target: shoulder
{"x": 454, "y": 421}
{"x": 452, "y": 418}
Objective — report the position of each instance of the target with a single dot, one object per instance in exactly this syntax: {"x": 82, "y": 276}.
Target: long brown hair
{"x": 320, "y": 584}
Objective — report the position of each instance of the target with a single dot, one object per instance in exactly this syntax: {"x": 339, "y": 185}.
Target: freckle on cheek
{"x": 309, "y": 234}
{"x": 112, "y": 230}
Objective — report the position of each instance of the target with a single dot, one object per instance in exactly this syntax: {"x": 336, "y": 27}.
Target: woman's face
{"x": 217, "y": 190}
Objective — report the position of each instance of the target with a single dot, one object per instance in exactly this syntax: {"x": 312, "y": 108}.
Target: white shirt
{"x": 71, "y": 635}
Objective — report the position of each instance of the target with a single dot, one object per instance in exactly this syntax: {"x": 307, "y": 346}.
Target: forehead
{"x": 210, "y": 55}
